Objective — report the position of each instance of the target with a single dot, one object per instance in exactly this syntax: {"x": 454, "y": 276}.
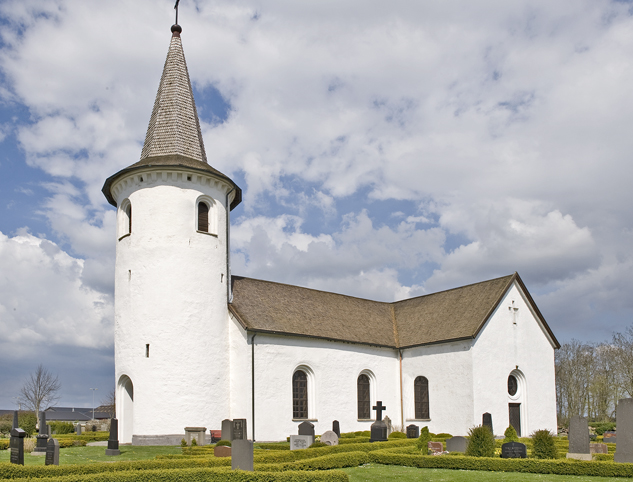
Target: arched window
{"x": 124, "y": 219}
{"x": 421, "y": 398}
{"x": 299, "y": 394}
{"x": 128, "y": 211}
{"x": 364, "y": 400}
{"x": 513, "y": 385}
{"x": 203, "y": 217}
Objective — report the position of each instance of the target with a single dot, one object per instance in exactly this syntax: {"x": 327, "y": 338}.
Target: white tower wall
{"x": 171, "y": 294}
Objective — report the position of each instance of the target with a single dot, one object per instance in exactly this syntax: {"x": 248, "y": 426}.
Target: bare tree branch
{"x": 40, "y": 390}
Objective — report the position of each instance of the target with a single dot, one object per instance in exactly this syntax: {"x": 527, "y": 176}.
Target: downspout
{"x": 401, "y": 398}
{"x": 253, "y": 385}
{"x": 229, "y": 294}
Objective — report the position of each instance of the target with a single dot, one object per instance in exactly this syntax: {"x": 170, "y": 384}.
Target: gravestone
{"x": 16, "y": 424}
{"x": 222, "y": 451}
{"x": 378, "y": 428}
{"x": 597, "y": 448}
{"x": 78, "y": 429}
{"x": 387, "y": 421}
{"x": 300, "y": 442}
{"x": 306, "y": 428}
{"x": 42, "y": 438}
{"x": 457, "y": 444}
{"x": 624, "y": 421}
{"x": 487, "y": 421}
{"x": 16, "y": 444}
{"x": 52, "y": 452}
{"x": 609, "y": 437}
{"x": 239, "y": 429}
{"x": 336, "y": 428}
{"x": 198, "y": 433}
{"x": 113, "y": 441}
{"x": 242, "y": 453}
{"x": 436, "y": 447}
{"x": 329, "y": 438}
{"x": 413, "y": 431}
{"x": 227, "y": 429}
{"x": 513, "y": 450}
{"x": 578, "y": 439}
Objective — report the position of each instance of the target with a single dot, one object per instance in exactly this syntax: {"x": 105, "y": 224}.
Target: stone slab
{"x": 227, "y": 430}
{"x": 513, "y": 450}
{"x": 52, "y": 452}
{"x": 457, "y": 444}
{"x": 329, "y": 438}
{"x": 413, "y": 431}
{"x": 242, "y": 455}
{"x": 148, "y": 440}
{"x": 300, "y": 442}
{"x": 597, "y": 448}
{"x": 239, "y": 431}
{"x": 578, "y": 435}
{"x": 306, "y": 428}
{"x": 436, "y": 447}
{"x": 222, "y": 451}
{"x": 624, "y": 421}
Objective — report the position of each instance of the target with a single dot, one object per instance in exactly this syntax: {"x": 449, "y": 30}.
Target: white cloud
{"x": 44, "y": 301}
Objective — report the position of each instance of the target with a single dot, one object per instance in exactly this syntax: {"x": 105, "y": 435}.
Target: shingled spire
{"x": 174, "y": 128}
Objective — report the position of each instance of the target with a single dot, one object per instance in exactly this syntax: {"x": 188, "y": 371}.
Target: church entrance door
{"x": 515, "y": 416}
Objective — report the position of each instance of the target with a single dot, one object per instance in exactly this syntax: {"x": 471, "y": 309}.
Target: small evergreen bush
{"x": 481, "y": 442}
{"x": 423, "y": 440}
{"x": 183, "y": 443}
{"x": 510, "y": 435}
{"x": 62, "y": 428}
{"x": 194, "y": 442}
{"x": 543, "y": 445}
{"x": 27, "y": 422}
{"x": 225, "y": 443}
{"x": 443, "y": 435}
{"x": 393, "y": 435}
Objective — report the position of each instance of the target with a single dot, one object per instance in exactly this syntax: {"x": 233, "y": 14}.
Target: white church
{"x": 195, "y": 345}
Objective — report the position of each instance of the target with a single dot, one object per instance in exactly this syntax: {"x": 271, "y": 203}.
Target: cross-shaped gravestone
{"x": 379, "y": 409}
{"x": 513, "y": 309}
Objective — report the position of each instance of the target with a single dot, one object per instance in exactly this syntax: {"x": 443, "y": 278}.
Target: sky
{"x": 385, "y": 149}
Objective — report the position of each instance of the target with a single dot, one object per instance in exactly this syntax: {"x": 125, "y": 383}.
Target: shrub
{"x": 397, "y": 435}
{"x": 194, "y": 442}
{"x": 481, "y": 442}
{"x": 61, "y": 428}
{"x": 318, "y": 444}
{"x": 423, "y": 440}
{"x": 4, "y": 444}
{"x": 602, "y": 428}
{"x": 5, "y": 427}
{"x": 183, "y": 442}
{"x": 27, "y": 422}
{"x": 223, "y": 443}
{"x": 443, "y": 435}
{"x": 510, "y": 435}
{"x": 543, "y": 445}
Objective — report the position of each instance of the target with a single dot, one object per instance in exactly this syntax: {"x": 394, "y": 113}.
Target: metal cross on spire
{"x": 176, "y": 8}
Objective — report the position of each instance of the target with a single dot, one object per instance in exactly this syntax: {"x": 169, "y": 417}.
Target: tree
{"x": 40, "y": 390}
{"x": 108, "y": 404}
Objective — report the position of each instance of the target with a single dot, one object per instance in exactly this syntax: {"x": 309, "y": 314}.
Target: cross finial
{"x": 176, "y": 8}
{"x": 513, "y": 309}
{"x": 379, "y": 409}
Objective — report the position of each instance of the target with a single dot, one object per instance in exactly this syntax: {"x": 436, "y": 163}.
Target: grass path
{"x": 90, "y": 455}
{"x": 387, "y": 473}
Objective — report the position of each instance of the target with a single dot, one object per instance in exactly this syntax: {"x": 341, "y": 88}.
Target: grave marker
{"x": 306, "y": 428}
{"x": 227, "y": 429}
{"x": 379, "y": 428}
{"x": 336, "y": 428}
{"x": 113, "y": 441}
{"x": 487, "y": 421}
{"x": 16, "y": 424}
{"x": 578, "y": 439}
{"x": 436, "y": 447}
{"x": 597, "y": 448}
{"x": 242, "y": 453}
{"x": 52, "y": 452}
{"x": 239, "y": 429}
{"x": 457, "y": 444}
{"x": 300, "y": 442}
{"x": 42, "y": 438}
{"x": 329, "y": 438}
{"x": 624, "y": 421}
{"x": 16, "y": 444}
{"x": 413, "y": 431}
{"x": 513, "y": 450}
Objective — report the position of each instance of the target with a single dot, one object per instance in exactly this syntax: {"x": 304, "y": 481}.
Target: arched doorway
{"x": 125, "y": 409}
{"x": 516, "y": 401}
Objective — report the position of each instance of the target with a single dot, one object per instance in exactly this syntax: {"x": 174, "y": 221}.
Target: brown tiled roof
{"x": 460, "y": 313}
{"x": 173, "y": 135}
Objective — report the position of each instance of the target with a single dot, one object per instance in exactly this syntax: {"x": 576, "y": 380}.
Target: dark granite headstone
{"x": 513, "y": 450}
{"x": 42, "y": 439}
{"x": 457, "y": 444}
{"x": 413, "y": 431}
{"x": 239, "y": 430}
{"x": 578, "y": 435}
{"x": 306, "y": 428}
{"x": 16, "y": 424}
{"x": 487, "y": 421}
{"x": 435, "y": 447}
{"x": 379, "y": 429}
{"x": 242, "y": 453}
{"x": 52, "y": 452}
{"x": 113, "y": 441}
{"x": 16, "y": 444}
{"x": 336, "y": 428}
{"x": 624, "y": 421}
{"x": 227, "y": 429}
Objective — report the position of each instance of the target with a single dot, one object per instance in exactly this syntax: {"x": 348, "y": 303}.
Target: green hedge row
{"x": 534, "y": 466}
{"x": 325, "y": 462}
{"x": 204, "y": 475}
{"x": 87, "y": 436}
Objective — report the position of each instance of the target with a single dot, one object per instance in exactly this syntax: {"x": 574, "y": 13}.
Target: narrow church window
{"x": 128, "y": 211}
{"x": 421, "y": 398}
{"x": 203, "y": 217}
{"x": 147, "y": 350}
{"x": 364, "y": 402}
{"x": 513, "y": 385}
{"x": 299, "y": 394}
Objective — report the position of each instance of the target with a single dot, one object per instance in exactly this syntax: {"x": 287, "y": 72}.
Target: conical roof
{"x": 173, "y": 136}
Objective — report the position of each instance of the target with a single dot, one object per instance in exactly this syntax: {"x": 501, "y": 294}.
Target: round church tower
{"x": 172, "y": 277}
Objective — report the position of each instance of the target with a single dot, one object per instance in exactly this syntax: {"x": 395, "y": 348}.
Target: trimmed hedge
{"x": 4, "y": 444}
{"x": 87, "y": 436}
{"x": 534, "y": 466}
{"x": 205, "y": 475}
{"x": 354, "y": 440}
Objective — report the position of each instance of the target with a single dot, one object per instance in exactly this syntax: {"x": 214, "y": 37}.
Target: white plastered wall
{"x": 448, "y": 368}
{"x": 500, "y": 348}
{"x": 335, "y": 367}
{"x": 170, "y": 292}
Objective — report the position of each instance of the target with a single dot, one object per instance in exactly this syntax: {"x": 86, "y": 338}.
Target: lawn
{"x": 382, "y": 473}
{"x": 91, "y": 455}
